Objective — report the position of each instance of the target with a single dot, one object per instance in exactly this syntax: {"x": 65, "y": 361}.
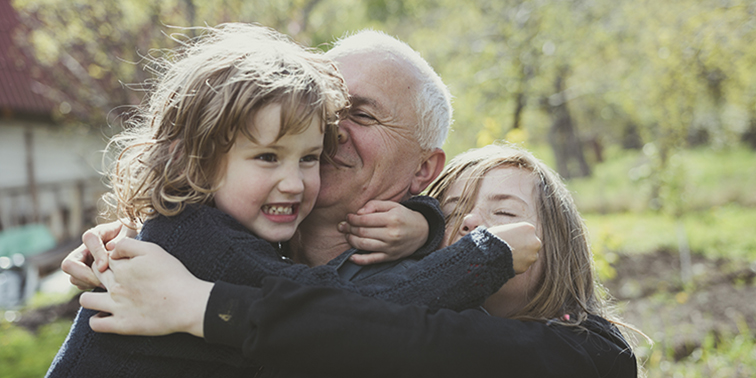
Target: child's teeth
{"x": 279, "y": 210}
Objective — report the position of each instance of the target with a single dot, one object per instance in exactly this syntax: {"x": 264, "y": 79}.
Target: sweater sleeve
{"x": 431, "y": 210}
{"x": 324, "y": 331}
{"x": 214, "y": 247}
{"x": 457, "y": 277}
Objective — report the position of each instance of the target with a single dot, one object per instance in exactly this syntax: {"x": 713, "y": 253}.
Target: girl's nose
{"x": 469, "y": 223}
{"x": 292, "y": 183}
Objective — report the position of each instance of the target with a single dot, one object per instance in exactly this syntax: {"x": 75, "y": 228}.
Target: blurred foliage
{"x": 721, "y": 352}
{"x": 27, "y": 355}
{"x": 588, "y": 76}
{"x": 718, "y": 196}
{"x": 697, "y": 179}
{"x": 719, "y": 232}
{"x": 720, "y": 356}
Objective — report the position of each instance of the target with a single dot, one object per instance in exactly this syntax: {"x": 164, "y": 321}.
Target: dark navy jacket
{"x": 214, "y": 247}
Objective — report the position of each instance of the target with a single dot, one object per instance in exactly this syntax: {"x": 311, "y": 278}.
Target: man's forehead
{"x": 360, "y": 100}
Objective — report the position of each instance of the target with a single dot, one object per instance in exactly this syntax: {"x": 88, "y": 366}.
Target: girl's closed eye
{"x": 504, "y": 213}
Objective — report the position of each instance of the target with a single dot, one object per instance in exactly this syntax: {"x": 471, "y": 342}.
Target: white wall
{"x": 67, "y": 162}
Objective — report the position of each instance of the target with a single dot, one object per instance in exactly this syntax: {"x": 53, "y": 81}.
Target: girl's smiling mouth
{"x": 281, "y": 212}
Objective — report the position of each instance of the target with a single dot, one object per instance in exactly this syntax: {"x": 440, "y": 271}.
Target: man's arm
{"x": 335, "y": 333}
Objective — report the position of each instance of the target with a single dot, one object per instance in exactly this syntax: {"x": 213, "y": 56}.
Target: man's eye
{"x": 267, "y": 157}
{"x": 363, "y": 118}
{"x": 310, "y": 158}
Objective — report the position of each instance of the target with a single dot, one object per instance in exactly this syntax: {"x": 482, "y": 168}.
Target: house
{"x": 49, "y": 176}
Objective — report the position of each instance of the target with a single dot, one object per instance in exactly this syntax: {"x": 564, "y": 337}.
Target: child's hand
{"x": 386, "y": 228}
{"x": 93, "y": 254}
{"x": 523, "y": 242}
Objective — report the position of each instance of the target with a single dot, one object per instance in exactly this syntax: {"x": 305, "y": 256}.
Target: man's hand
{"x": 78, "y": 264}
{"x": 386, "y": 228}
{"x": 150, "y": 293}
{"x": 523, "y": 242}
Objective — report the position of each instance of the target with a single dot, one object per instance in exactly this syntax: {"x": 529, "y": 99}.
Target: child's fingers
{"x": 126, "y": 231}
{"x": 370, "y": 258}
{"x": 370, "y": 220}
{"x": 366, "y": 243}
{"x": 375, "y": 206}
{"x": 353, "y": 231}
{"x": 77, "y": 265}
{"x": 344, "y": 227}
{"x": 379, "y": 234}
{"x": 102, "y": 239}
{"x": 93, "y": 242}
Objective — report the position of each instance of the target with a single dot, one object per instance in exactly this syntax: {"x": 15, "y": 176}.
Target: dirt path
{"x": 721, "y": 299}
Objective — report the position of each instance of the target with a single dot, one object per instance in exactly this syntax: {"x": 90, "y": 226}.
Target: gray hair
{"x": 432, "y": 100}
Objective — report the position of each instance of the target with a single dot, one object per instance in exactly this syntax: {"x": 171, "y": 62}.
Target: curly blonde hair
{"x": 206, "y": 91}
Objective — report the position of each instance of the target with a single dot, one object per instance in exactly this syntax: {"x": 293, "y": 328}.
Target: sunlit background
{"x": 647, "y": 108}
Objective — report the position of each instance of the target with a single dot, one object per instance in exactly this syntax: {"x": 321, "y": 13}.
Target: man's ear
{"x": 428, "y": 170}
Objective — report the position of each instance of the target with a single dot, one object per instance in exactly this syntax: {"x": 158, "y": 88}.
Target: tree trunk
{"x": 749, "y": 137}
{"x": 563, "y": 138}
{"x": 519, "y": 108}
{"x": 31, "y": 181}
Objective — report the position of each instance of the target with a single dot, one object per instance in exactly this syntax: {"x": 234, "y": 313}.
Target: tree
{"x": 95, "y": 50}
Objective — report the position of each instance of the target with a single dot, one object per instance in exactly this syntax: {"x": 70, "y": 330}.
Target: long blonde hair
{"x": 204, "y": 96}
{"x": 567, "y": 284}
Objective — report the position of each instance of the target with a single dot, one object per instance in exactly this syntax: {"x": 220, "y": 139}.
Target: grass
{"x": 717, "y": 232}
{"x": 708, "y": 178}
{"x": 26, "y": 354}
{"x": 715, "y": 203}
{"x": 718, "y": 356}
{"x": 23, "y": 354}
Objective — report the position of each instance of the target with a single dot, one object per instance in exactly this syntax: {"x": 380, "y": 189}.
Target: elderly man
{"x": 389, "y": 142}
{"x": 389, "y": 151}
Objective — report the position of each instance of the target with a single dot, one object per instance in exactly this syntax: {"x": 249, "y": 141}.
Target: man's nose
{"x": 469, "y": 223}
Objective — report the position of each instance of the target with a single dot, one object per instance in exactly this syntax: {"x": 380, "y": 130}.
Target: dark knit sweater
{"x": 303, "y": 331}
{"x": 214, "y": 247}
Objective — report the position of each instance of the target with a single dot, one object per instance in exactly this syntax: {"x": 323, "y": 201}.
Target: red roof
{"x": 17, "y": 93}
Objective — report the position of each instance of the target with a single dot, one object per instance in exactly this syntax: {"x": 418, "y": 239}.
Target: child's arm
{"x": 458, "y": 276}
{"x": 393, "y": 231}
